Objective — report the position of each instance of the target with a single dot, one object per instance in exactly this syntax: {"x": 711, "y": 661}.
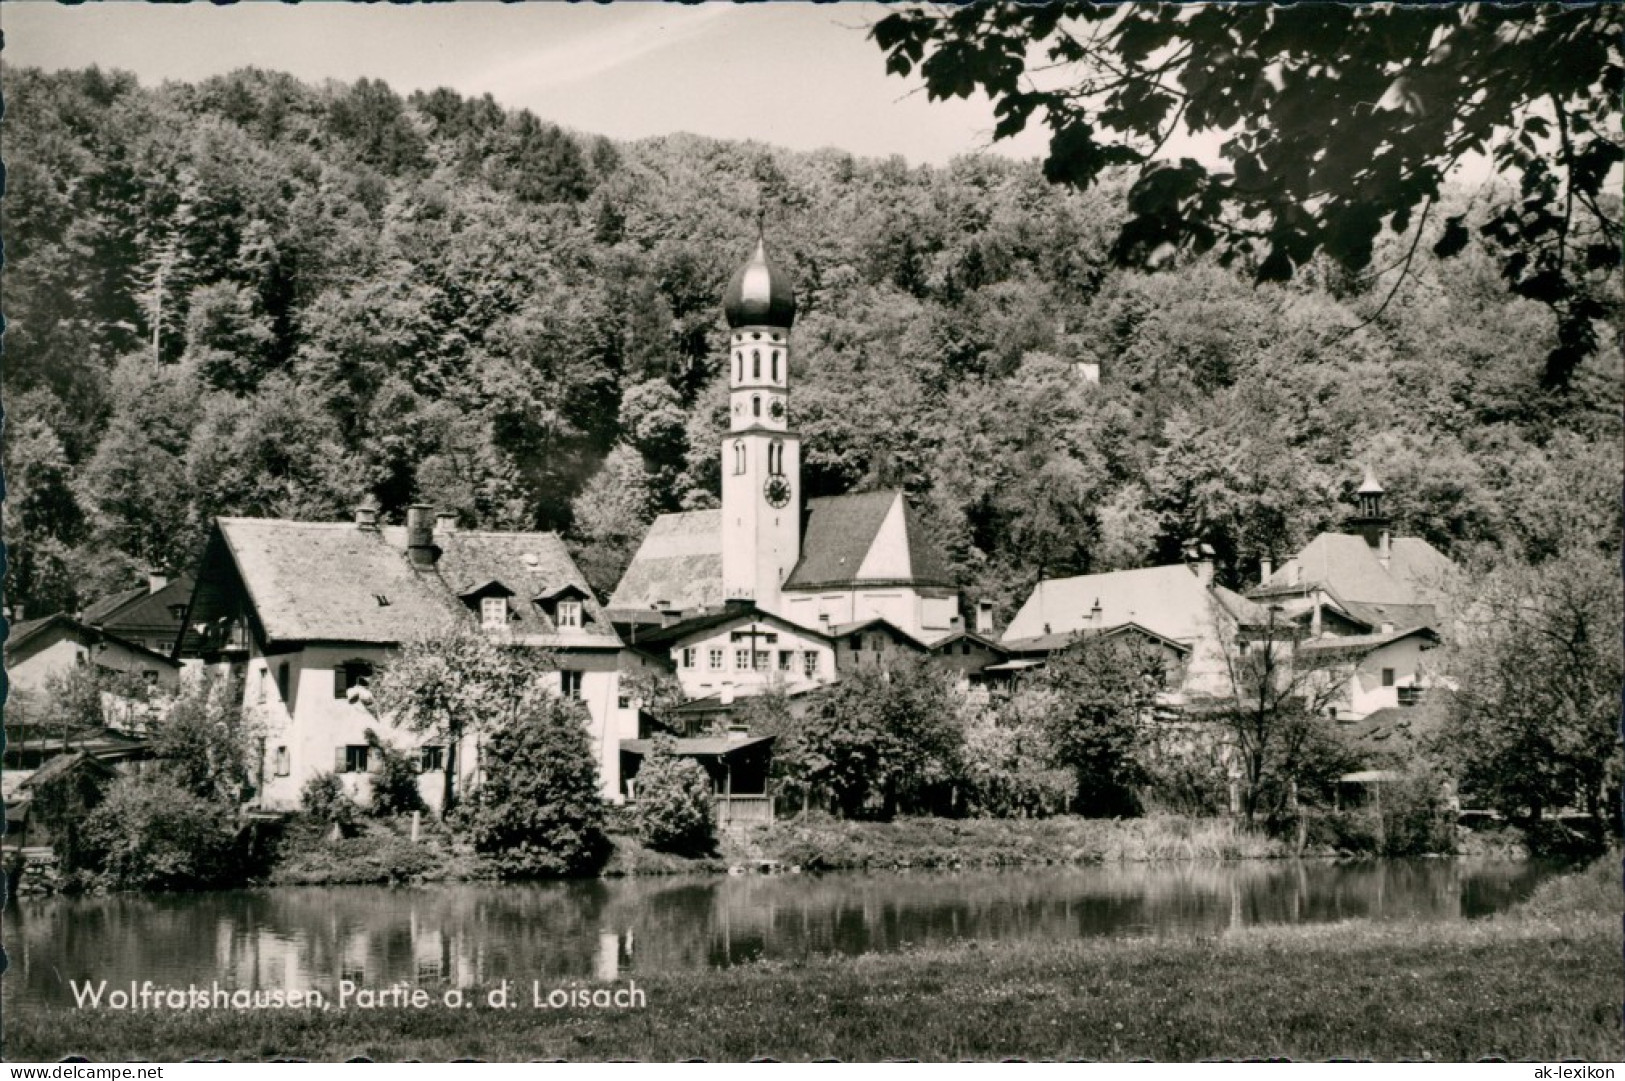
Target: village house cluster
{"x": 769, "y": 592}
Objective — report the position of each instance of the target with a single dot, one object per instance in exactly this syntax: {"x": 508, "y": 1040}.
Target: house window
{"x": 150, "y": 675}
{"x": 809, "y": 662}
{"x": 349, "y": 675}
{"x": 569, "y": 614}
{"x": 279, "y": 762}
{"x": 623, "y": 701}
{"x": 432, "y": 759}
{"x": 742, "y": 659}
{"x": 761, "y": 660}
{"x": 282, "y": 681}
{"x": 690, "y": 655}
{"x": 786, "y": 659}
{"x": 260, "y": 679}
{"x": 739, "y": 456}
{"x": 352, "y": 758}
{"x": 739, "y": 366}
{"x": 570, "y": 683}
{"x": 716, "y": 660}
{"x": 964, "y": 647}
{"x": 494, "y": 613}
{"x": 755, "y": 363}
{"x": 755, "y": 405}
{"x": 856, "y": 643}
{"x": 1387, "y": 677}
{"x": 775, "y": 365}
{"x": 877, "y": 643}
{"x": 1410, "y": 696}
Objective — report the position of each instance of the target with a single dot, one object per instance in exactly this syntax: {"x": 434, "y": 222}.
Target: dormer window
{"x": 493, "y": 613}
{"x": 566, "y": 606}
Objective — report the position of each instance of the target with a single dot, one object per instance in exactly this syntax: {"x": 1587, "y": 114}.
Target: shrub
{"x": 149, "y": 834}
{"x": 537, "y": 809}
{"x": 1416, "y": 818}
{"x": 395, "y": 785}
{"x": 673, "y": 812}
{"x": 324, "y": 799}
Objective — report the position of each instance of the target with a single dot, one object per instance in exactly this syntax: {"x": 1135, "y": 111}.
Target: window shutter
{"x": 339, "y": 761}
{"x": 375, "y": 760}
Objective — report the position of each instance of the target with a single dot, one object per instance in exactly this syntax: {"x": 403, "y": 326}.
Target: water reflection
{"x": 474, "y": 935}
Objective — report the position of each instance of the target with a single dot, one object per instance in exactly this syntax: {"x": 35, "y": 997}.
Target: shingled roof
{"x": 1170, "y": 601}
{"x": 1412, "y": 590}
{"x": 862, "y": 538}
{"x": 336, "y": 582}
{"x": 679, "y": 565}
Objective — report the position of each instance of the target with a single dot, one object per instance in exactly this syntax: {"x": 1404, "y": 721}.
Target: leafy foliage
{"x": 536, "y": 811}
{"x": 1097, "y": 698}
{"x": 207, "y": 741}
{"x": 673, "y": 811}
{"x": 148, "y": 834}
{"x": 1322, "y": 157}
{"x": 395, "y": 783}
{"x": 324, "y": 799}
{"x": 1534, "y": 727}
{"x": 880, "y": 742}
{"x": 457, "y": 681}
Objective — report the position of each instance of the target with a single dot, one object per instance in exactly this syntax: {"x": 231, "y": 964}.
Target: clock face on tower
{"x": 776, "y": 410}
{"x": 777, "y": 491}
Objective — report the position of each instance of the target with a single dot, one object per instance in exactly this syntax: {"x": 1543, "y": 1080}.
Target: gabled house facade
{"x": 39, "y": 648}
{"x": 740, "y": 651}
{"x": 304, "y": 613}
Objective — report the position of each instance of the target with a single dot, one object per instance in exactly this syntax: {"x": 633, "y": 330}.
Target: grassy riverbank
{"x": 822, "y": 843}
{"x": 1539, "y": 982}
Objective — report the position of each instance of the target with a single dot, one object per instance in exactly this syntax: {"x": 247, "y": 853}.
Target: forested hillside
{"x": 260, "y": 297}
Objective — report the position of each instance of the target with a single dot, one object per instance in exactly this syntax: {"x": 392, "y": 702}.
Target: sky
{"x": 792, "y": 74}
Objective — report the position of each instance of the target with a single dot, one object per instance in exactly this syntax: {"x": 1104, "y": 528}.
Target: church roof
{"x": 760, "y": 294}
{"x": 865, "y": 538}
{"x": 678, "y": 565}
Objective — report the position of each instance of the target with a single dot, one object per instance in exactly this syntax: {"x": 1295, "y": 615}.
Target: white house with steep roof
{"x": 303, "y": 612}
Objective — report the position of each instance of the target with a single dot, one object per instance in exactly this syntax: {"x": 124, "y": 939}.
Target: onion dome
{"x": 1369, "y": 486}
{"x": 760, "y": 294}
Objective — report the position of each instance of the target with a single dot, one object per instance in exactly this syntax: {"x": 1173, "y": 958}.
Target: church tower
{"x": 761, "y": 456}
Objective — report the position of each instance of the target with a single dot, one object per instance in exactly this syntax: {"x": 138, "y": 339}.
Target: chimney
{"x": 156, "y": 580}
{"x": 1266, "y": 567}
{"x": 1387, "y": 627}
{"x": 1093, "y": 619}
{"x": 445, "y": 522}
{"x": 984, "y": 617}
{"x": 1384, "y": 549}
{"x": 420, "y": 536}
{"x": 1201, "y": 557}
{"x": 1314, "y": 618}
{"x": 366, "y": 516}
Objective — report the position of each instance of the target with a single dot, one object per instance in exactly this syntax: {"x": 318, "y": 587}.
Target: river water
{"x": 474, "y": 935}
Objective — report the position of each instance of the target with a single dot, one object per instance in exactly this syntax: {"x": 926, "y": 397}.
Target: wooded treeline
{"x": 256, "y": 296}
